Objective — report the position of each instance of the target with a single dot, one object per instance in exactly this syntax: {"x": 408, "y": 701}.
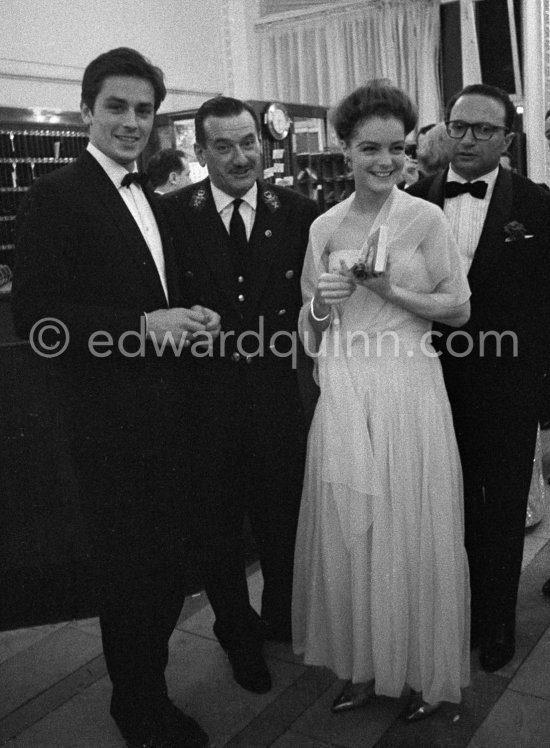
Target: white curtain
{"x": 319, "y": 57}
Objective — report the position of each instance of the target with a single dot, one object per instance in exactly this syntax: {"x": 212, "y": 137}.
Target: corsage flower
{"x": 515, "y": 230}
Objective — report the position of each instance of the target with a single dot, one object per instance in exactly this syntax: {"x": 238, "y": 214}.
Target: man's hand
{"x": 212, "y": 326}
{"x": 180, "y": 322}
{"x": 212, "y": 320}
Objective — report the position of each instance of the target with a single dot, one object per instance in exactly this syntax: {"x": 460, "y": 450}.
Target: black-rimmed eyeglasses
{"x": 480, "y": 130}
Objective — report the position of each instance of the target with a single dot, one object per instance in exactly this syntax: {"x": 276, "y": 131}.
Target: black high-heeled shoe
{"x": 353, "y": 696}
{"x": 419, "y": 709}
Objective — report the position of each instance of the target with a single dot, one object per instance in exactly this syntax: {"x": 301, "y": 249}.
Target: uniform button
{"x": 240, "y": 297}
{"x": 240, "y": 279}
{"x": 269, "y": 233}
{"x": 235, "y": 356}
{"x": 281, "y": 312}
{"x": 189, "y": 274}
{"x": 289, "y": 274}
{"x": 249, "y": 359}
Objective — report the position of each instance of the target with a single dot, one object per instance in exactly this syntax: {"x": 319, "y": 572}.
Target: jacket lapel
{"x": 268, "y": 232}
{"x": 170, "y": 265}
{"x": 491, "y": 241}
{"x": 114, "y": 206}
{"x": 436, "y": 191}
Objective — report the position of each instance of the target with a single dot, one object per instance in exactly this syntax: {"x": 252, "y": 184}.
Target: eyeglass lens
{"x": 480, "y": 130}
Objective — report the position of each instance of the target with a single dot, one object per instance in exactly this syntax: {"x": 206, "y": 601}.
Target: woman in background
{"x": 381, "y": 591}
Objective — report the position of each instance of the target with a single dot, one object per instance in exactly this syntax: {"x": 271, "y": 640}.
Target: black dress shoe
{"x": 546, "y": 588}
{"x": 276, "y": 632}
{"x": 353, "y": 696}
{"x": 160, "y": 726}
{"x": 498, "y": 647}
{"x": 249, "y": 669}
{"x": 181, "y": 726}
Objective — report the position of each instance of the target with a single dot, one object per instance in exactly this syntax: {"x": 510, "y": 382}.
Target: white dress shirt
{"x": 139, "y": 207}
{"x": 467, "y": 214}
{"x": 247, "y": 209}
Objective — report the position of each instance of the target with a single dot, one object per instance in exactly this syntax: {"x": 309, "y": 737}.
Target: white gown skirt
{"x": 381, "y": 577}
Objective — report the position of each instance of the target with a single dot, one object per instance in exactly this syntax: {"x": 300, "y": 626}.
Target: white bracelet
{"x": 317, "y": 319}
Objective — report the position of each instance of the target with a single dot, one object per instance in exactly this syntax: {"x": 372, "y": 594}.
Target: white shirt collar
{"x": 115, "y": 172}
{"x": 222, "y": 199}
{"x": 490, "y": 178}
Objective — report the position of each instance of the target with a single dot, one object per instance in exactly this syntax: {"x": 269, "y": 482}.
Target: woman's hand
{"x": 332, "y": 289}
{"x": 381, "y": 284}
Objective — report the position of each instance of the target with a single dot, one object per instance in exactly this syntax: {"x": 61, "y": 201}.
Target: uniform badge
{"x": 198, "y": 199}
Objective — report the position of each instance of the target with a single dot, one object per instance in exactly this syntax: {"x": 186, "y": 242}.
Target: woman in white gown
{"x": 381, "y": 593}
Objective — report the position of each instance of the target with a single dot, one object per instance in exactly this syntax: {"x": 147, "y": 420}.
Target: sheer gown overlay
{"x": 381, "y": 579}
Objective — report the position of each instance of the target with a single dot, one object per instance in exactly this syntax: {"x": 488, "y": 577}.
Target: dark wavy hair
{"x": 162, "y": 164}
{"x": 377, "y": 98}
{"x": 221, "y": 106}
{"x": 491, "y": 92}
{"x": 121, "y": 61}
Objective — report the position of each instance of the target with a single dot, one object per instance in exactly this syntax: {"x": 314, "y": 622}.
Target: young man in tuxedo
{"x": 95, "y": 258}
{"x": 241, "y": 244}
{"x": 494, "y": 365}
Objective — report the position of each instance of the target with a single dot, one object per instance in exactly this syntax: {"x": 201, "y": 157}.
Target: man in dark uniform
{"x": 94, "y": 260}
{"x": 494, "y": 365}
{"x": 241, "y": 245}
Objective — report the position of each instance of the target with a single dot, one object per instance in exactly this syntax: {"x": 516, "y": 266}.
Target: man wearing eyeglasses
{"x": 494, "y": 364}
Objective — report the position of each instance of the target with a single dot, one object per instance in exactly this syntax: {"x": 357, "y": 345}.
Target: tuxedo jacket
{"x": 81, "y": 259}
{"x": 277, "y": 245}
{"x": 509, "y": 280}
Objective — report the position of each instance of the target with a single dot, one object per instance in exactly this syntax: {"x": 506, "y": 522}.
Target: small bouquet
{"x": 374, "y": 255}
{"x": 514, "y": 230}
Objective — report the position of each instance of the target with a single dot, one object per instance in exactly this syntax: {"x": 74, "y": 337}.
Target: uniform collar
{"x": 222, "y": 199}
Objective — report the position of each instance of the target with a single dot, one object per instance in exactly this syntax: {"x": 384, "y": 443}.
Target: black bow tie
{"x": 136, "y": 177}
{"x": 476, "y": 189}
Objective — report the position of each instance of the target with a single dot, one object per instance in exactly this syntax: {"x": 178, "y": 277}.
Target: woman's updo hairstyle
{"x": 377, "y": 98}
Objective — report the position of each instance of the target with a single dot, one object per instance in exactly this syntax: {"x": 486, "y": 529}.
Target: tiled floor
{"x": 54, "y": 692}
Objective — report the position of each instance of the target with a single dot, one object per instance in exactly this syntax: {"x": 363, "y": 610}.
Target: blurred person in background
{"x": 434, "y": 151}
{"x": 168, "y": 170}
{"x": 413, "y": 142}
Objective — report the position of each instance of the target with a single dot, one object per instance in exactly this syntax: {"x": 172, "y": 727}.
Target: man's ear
{"x": 86, "y": 113}
{"x": 173, "y": 177}
{"x": 508, "y": 139}
{"x": 199, "y": 153}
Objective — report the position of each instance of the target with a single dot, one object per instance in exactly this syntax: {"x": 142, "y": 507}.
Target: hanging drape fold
{"x": 318, "y": 57}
